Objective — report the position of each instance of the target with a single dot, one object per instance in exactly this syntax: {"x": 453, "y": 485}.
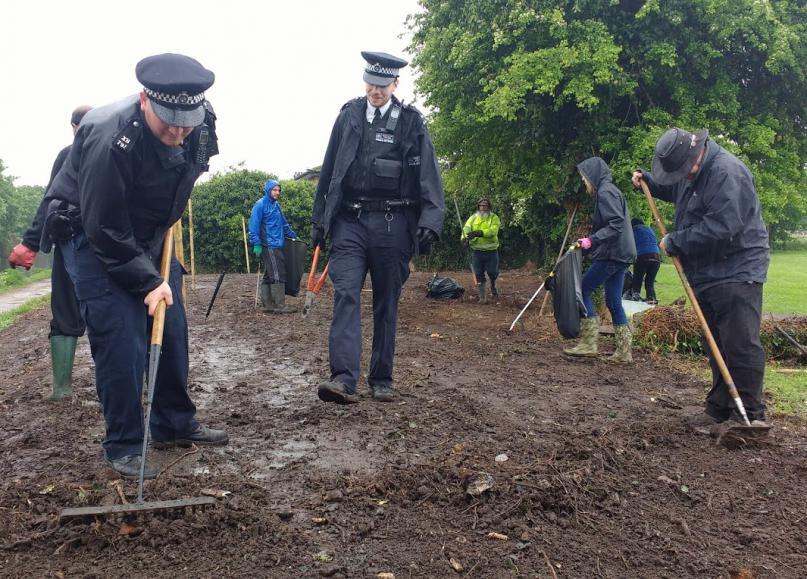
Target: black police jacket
{"x": 719, "y": 233}
{"x": 33, "y": 237}
{"x": 611, "y": 232}
{"x": 420, "y": 179}
{"x": 130, "y": 188}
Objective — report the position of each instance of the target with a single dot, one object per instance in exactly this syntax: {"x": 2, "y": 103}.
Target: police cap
{"x": 382, "y": 68}
{"x": 175, "y": 84}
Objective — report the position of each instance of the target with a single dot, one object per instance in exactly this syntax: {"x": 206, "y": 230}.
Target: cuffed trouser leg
{"x": 734, "y": 314}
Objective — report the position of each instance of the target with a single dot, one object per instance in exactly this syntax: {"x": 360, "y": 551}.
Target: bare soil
{"x": 600, "y": 479}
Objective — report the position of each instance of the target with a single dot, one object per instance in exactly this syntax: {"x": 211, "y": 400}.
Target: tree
{"x": 18, "y": 206}
{"x": 524, "y": 90}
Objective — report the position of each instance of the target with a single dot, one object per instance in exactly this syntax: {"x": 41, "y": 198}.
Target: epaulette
{"x": 127, "y": 137}
{"x": 209, "y": 108}
{"x": 407, "y": 107}
{"x": 350, "y": 102}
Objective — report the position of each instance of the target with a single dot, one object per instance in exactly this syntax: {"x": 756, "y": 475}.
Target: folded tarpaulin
{"x": 567, "y": 295}
{"x": 294, "y": 252}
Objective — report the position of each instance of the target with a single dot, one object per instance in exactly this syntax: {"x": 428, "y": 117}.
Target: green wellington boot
{"x": 589, "y": 332}
{"x": 624, "y": 339}
{"x": 279, "y": 299}
{"x": 267, "y": 305}
{"x": 62, "y": 354}
{"x": 481, "y": 289}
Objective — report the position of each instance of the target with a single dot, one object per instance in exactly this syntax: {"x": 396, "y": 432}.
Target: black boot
{"x": 493, "y": 291}
{"x": 279, "y": 299}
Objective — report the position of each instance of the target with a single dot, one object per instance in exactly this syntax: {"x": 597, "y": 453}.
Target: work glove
{"x": 317, "y": 236}
{"x": 425, "y": 239}
{"x": 476, "y": 233}
{"x": 585, "y": 242}
{"x": 257, "y": 250}
{"x": 21, "y": 256}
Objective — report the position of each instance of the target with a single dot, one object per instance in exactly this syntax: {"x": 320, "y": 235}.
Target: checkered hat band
{"x": 379, "y": 70}
{"x": 182, "y": 99}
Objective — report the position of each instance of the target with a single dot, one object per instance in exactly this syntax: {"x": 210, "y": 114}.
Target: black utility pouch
{"x": 385, "y": 175}
{"x": 63, "y": 220}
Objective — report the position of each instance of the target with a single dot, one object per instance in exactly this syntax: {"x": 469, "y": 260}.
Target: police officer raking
{"x": 379, "y": 200}
{"x": 127, "y": 180}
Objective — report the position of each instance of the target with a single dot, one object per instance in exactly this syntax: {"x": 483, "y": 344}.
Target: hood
{"x": 595, "y": 170}
{"x": 267, "y": 189}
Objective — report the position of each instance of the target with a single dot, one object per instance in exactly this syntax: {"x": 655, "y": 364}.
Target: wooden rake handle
{"x": 158, "y": 325}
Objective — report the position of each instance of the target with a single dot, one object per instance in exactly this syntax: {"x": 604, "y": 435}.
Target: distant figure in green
{"x": 481, "y": 231}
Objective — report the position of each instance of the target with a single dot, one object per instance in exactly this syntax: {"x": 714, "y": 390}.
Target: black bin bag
{"x": 567, "y": 295}
{"x": 444, "y": 288}
{"x": 294, "y": 252}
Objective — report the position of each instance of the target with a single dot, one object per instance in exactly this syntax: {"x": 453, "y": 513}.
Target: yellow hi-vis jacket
{"x": 490, "y": 231}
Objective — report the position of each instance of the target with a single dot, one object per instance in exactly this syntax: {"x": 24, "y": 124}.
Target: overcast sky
{"x": 283, "y": 70}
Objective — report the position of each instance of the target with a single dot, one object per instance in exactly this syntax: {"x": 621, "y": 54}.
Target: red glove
{"x": 585, "y": 243}
{"x": 21, "y": 256}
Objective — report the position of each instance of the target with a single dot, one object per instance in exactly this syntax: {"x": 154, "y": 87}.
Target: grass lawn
{"x": 788, "y": 388}
{"x": 784, "y": 292}
{"x": 12, "y": 278}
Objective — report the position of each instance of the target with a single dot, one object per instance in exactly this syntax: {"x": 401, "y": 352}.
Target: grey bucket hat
{"x": 676, "y": 153}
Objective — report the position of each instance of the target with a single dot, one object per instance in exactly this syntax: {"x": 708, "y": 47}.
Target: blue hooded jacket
{"x": 266, "y": 212}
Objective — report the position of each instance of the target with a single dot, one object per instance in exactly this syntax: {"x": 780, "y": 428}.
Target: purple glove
{"x": 585, "y": 242}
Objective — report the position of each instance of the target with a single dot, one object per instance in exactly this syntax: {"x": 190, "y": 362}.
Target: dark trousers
{"x": 383, "y": 246}
{"x": 646, "y": 268}
{"x": 66, "y": 315}
{"x": 611, "y": 275}
{"x": 274, "y": 265}
{"x": 734, "y": 314}
{"x": 119, "y": 329}
{"x": 486, "y": 261}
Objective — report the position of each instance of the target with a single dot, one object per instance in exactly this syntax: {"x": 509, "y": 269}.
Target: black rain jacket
{"x": 130, "y": 188}
{"x": 611, "y": 232}
{"x": 421, "y": 175}
{"x": 719, "y": 233}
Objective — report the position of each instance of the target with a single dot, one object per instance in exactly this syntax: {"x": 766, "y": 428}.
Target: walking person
{"x": 379, "y": 200}
{"x": 481, "y": 231}
{"x": 66, "y": 324}
{"x": 613, "y": 250}
{"x": 723, "y": 245}
{"x": 648, "y": 262}
{"x": 268, "y": 230}
{"x": 126, "y": 181}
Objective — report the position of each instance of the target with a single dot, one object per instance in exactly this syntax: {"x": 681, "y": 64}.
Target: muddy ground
{"x": 600, "y": 477}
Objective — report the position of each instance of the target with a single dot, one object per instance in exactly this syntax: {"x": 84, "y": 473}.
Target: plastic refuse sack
{"x": 294, "y": 252}
{"x": 567, "y": 294}
{"x": 444, "y": 288}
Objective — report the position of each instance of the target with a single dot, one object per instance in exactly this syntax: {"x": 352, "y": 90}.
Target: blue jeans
{"x": 610, "y": 274}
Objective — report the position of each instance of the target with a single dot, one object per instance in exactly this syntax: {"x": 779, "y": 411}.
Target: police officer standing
{"x": 379, "y": 199}
{"x": 127, "y": 180}
{"x": 66, "y": 324}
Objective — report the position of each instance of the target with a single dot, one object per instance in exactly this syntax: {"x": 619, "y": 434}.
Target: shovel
{"x": 141, "y": 506}
{"x": 731, "y": 431}
{"x": 314, "y": 286}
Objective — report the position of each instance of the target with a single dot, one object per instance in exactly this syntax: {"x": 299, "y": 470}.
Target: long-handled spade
{"x": 154, "y": 360}
{"x": 739, "y": 429}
